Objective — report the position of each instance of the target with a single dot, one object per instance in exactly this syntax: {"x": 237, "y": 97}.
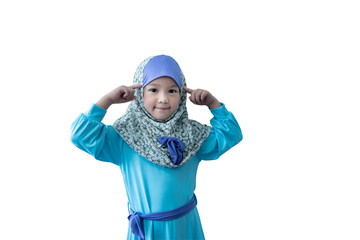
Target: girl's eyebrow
{"x": 153, "y": 84}
{"x": 157, "y": 85}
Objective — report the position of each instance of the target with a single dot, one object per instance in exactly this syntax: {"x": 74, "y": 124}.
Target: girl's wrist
{"x": 105, "y": 102}
{"x": 214, "y": 104}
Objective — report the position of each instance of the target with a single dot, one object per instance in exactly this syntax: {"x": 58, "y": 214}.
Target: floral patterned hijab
{"x": 147, "y": 135}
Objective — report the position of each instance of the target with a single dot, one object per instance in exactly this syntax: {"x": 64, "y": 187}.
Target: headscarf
{"x": 145, "y": 134}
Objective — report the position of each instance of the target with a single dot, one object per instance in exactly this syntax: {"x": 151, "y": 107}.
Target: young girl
{"x": 157, "y": 148}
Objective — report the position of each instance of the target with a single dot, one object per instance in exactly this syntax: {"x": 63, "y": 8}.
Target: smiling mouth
{"x": 162, "y": 108}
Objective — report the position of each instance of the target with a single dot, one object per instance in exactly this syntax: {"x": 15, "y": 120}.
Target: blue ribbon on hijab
{"x": 175, "y": 147}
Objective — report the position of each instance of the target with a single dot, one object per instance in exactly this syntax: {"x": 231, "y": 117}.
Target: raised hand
{"x": 202, "y": 97}
{"x": 120, "y": 94}
{"x": 123, "y": 94}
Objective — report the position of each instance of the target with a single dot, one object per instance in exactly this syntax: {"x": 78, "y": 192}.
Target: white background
{"x": 288, "y": 70}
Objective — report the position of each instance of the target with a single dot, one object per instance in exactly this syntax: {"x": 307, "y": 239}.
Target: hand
{"x": 123, "y": 94}
{"x": 120, "y": 94}
{"x": 202, "y": 97}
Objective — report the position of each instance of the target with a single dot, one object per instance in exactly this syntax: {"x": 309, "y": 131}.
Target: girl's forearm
{"x": 105, "y": 102}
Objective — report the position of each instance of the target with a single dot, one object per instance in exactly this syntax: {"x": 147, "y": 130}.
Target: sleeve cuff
{"x": 96, "y": 113}
{"x": 221, "y": 112}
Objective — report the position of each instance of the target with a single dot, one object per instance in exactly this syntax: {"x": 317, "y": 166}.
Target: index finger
{"x": 135, "y": 86}
{"x": 188, "y": 90}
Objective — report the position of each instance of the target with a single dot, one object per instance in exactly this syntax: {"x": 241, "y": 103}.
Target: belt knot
{"x": 136, "y": 225}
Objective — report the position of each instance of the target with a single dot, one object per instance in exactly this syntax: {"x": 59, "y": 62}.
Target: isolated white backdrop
{"x": 288, "y": 70}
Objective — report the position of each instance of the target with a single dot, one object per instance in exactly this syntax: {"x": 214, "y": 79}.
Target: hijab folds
{"x": 170, "y": 142}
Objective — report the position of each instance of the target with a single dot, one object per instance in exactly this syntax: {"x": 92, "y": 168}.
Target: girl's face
{"x": 161, "y": 97}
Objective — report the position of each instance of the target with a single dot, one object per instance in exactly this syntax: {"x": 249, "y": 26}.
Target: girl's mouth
{"x": 162, "y": 108}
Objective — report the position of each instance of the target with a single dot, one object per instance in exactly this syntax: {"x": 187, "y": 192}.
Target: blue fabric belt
{"x": 135, "y": 218}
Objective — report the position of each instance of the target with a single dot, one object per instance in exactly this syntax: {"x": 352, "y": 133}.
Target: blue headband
{"x": 162, "y": 66}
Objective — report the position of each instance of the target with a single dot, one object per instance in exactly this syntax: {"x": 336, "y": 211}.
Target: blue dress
{"x": 150, "y": 187}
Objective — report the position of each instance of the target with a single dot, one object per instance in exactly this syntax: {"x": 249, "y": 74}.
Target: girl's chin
{"x": 161, "y": 115}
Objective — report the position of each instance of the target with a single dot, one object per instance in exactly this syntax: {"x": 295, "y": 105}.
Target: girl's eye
{"x": 172, "y": 91}
{"x": 153, "y": 90}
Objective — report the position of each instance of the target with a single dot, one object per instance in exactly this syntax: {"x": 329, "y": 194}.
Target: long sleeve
{"x": 225, "y": 134}
{"x": 97, "y": 139}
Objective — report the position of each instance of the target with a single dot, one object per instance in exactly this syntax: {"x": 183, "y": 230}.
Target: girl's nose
{"x": 163, "y": 98}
